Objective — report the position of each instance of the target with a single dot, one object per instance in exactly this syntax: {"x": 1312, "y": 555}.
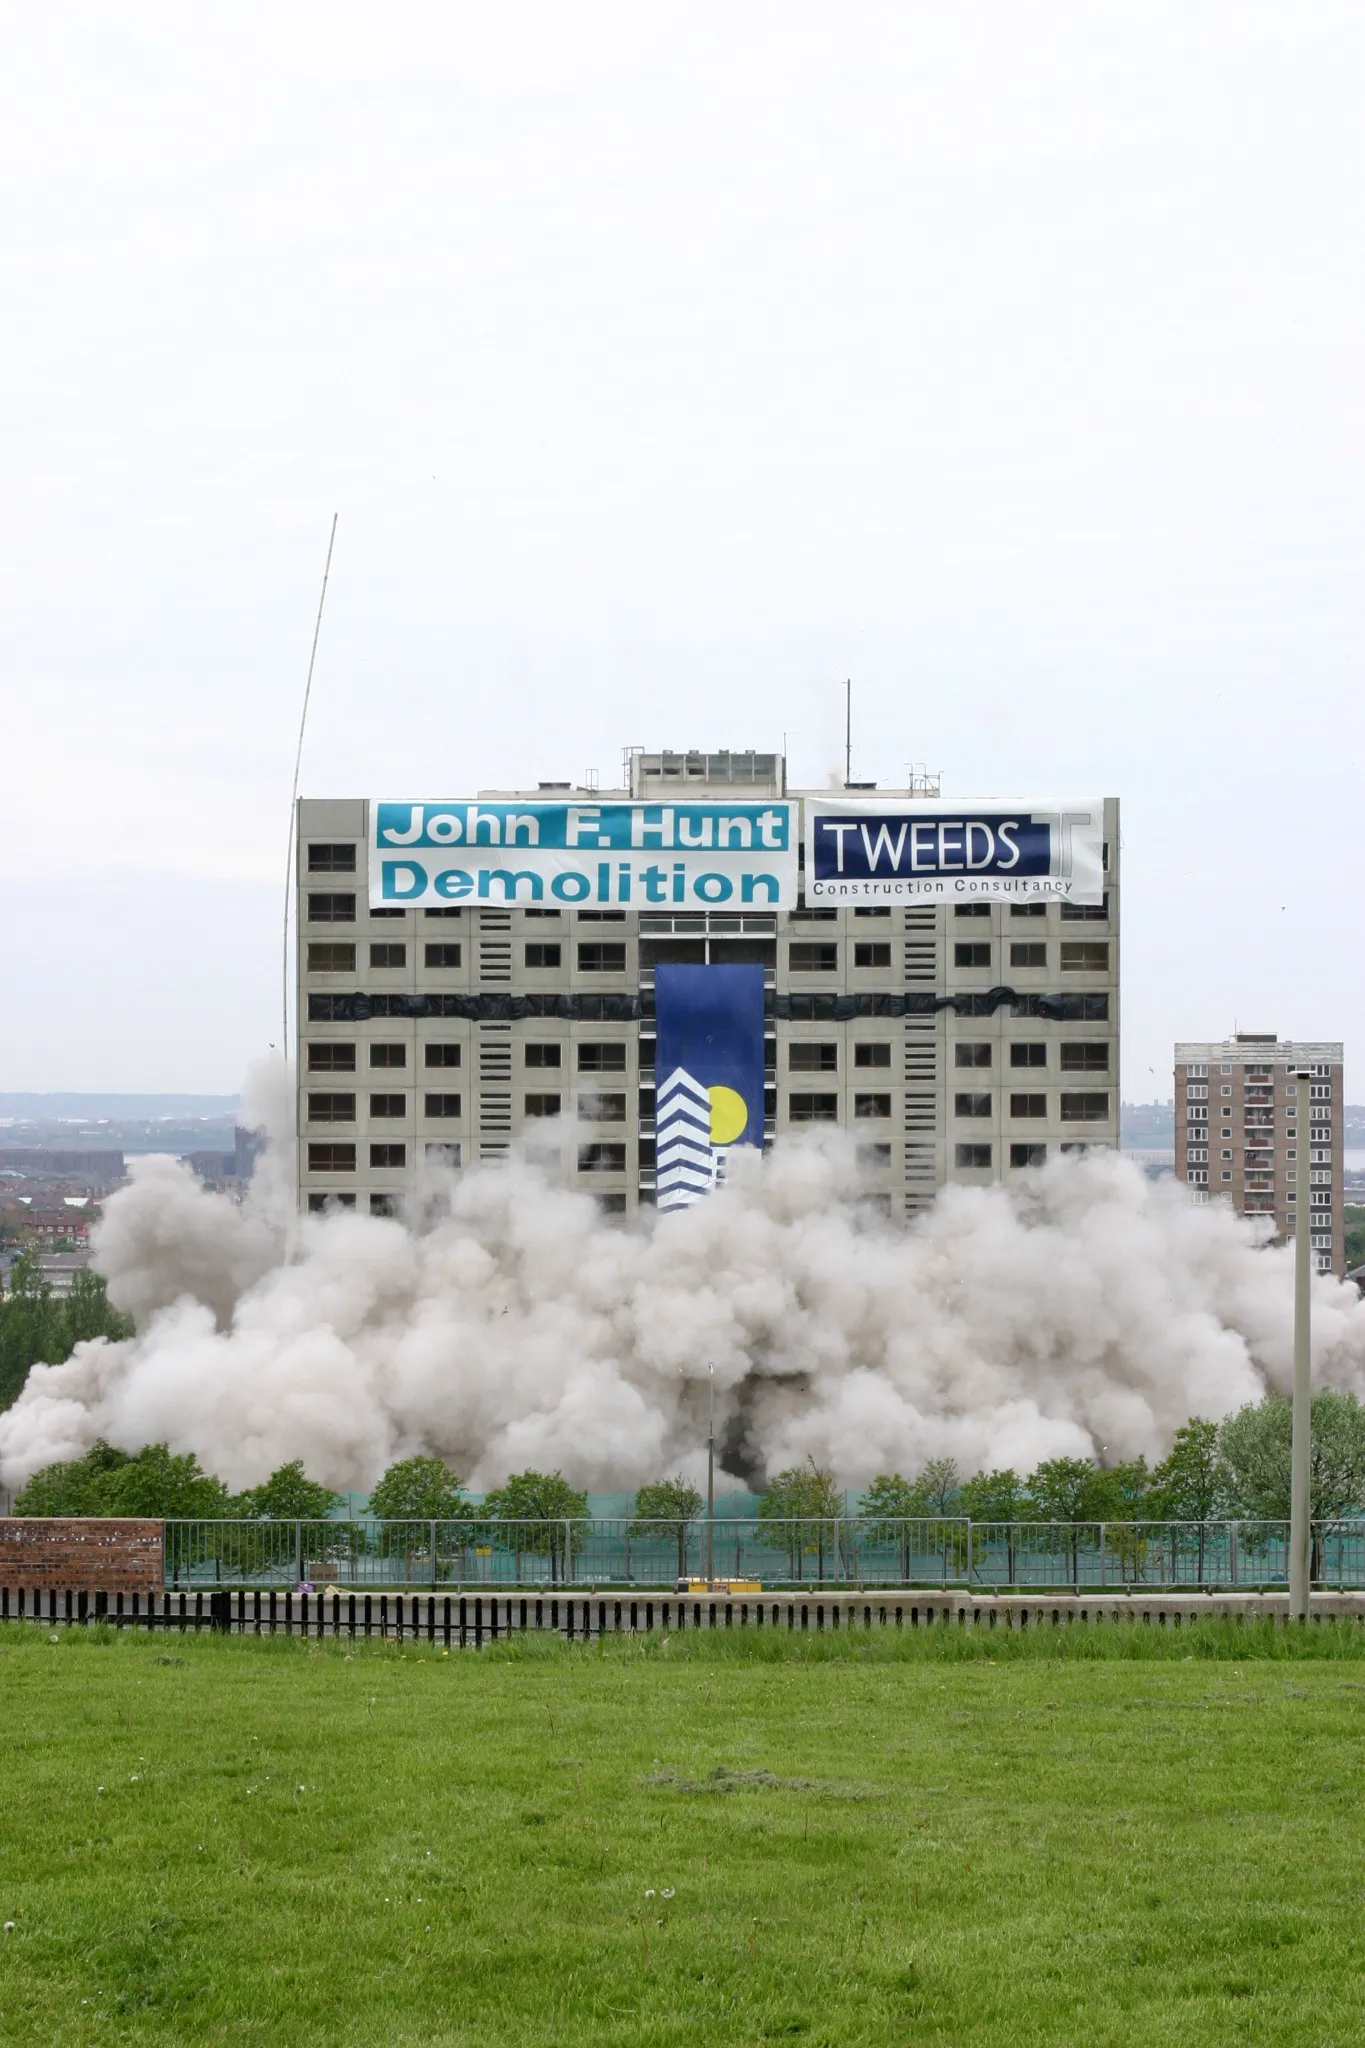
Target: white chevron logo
{"x": 688, "y": 1165}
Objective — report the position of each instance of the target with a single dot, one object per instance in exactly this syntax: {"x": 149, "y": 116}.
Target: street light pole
{"x": 1300, "y": 1534}
{"x": 711, "y": 1483}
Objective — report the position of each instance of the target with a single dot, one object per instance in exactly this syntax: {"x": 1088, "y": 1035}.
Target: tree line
{"x": 1234, "y": 1470}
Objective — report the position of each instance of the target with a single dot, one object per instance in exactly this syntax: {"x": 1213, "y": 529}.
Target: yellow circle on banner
{"x": 729, "y": 1115}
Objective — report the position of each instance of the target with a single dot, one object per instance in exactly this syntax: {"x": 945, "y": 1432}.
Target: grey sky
{"x": 665, "y": 366}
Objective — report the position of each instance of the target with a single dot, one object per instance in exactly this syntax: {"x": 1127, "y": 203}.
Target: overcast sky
{"x": 665, "y": 366}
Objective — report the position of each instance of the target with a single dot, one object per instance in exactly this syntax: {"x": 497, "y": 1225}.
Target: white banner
{"x": 740, "y": 856}
{"x": 898, "y": 850}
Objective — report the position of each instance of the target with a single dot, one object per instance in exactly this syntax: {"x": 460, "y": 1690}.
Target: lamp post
{"x": 1300, "y": 1534}
{"x": 711, "y": 1482}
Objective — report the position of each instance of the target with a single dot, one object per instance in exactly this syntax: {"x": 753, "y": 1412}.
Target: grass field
{"x": 721, "y": 1840}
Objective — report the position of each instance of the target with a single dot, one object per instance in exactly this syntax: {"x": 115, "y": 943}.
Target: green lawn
{"x": 714, "y": 1841}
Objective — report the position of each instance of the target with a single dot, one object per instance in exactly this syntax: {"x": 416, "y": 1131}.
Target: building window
{"x": 611, "y": 1204}
{"x": 874, "y": 1053}
{"x": 541, "y": 913}
{"x": 331, "y": 1158}
{"x": 872, "y": 913}
{"x": 388, "y": 1105}
{"x": 1196, "y": 1073}
{"x": 1096, "y": 912}
{"x": 331, "y": 1059}
{"x": 972, "y": 1157}
{"x": 442, "y": 955}
{"x": 1027, "y": 953}
{"x": 608, "y": 1057}
{"x": 871, "y": 1105}
{"x": 1197, "y": 1155}
{"x": 1081, "y": 1057}
{"x": 599, "y": 959}
{"x": 1028, "y": 1052}
{"x": 972, "y": 910}
{"x": 1028, "y": 1155}
{"x": 1085, "y": 956}
{"x": 543, "y": 1105}
{"x": 328, "y": 858}
{"x": 388, "y": 1155}
{"x": 542, "y": 953}
{"x": 601, "y": 1109}
{"x": 1028, "y": 1105}
{"x": 1199, "y": 1177}
{"x": 871, "y": 953}
{"x": 601, "y": 1158}
{"x": 331, "y": 1109}
{"x": 806, "y": 957}
{"x": 444, "y": 1055}
{"x": 805, "y": 1058}
{"x": 543, "y": 1055}
{"x": 332, "y": 908}
{"x": 389, "y": 955}
{"x": 452, "y": 911}
{"x": 376, "y": 914}
{"x": 601, "y": 917}
{"x": 441, "y": 1105}
{"x": 1084, "y": 1109}
{"x": 1196, "y": 1091}
{"x": 813, "y": 1109}
{"x": 331, "y": 959}
{"x": 871, "y": 1157}
{"x": 388, "y": 1055}
{"x": 383, "y": 1205}
{"x": 970, "y": 1052}
{"x": 443, "y": 1155}
{"x": 814, "y": 916}
{"x": 321, "y": 1202}
{"x": 971, "y": 955}
{"x": 972, "y": 1105}
{"x": 1028, "y": 910}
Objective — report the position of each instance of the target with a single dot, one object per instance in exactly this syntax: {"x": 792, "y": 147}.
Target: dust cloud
{"x": 1083, "y": 1311}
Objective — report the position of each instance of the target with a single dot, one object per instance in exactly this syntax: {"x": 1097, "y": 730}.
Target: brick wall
{"x": 96, "y": 1553}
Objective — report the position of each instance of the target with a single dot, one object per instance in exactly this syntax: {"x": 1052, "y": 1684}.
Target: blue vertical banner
{"x": 708, "y": 1067}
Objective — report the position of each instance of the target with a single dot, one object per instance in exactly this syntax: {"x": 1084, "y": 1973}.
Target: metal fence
{"x": 842, "y": 1551}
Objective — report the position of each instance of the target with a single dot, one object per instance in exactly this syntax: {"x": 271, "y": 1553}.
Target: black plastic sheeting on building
{"x": 359, "y": 1008}
{"x": 1090, "y": 1007}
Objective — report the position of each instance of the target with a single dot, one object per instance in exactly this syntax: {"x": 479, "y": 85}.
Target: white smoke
{"x": 1086, "y": 1311}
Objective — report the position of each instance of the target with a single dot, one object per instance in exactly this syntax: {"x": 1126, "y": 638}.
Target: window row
{"x": 336, "y": 956}
{"x": 975, "y": 1158}
{"x": 343, "y": 1158}
{"x": 1077, "y": 1056}
{"x": 341, "y": 1108}
{"x": 1082, "y": 1107}
{"x": 336, "y": 1056}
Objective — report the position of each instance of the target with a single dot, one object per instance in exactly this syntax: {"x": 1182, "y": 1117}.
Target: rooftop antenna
{"x": 848, "y": 731}
{"x": 294, "y": 796}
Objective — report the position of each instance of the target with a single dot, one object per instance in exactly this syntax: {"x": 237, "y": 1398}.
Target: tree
{"x": 666, "y": 1509}
{"x": 38, "y": 1329}
{"x": 74, "y": 1486}
{"x": 109, "y": 1482}
{"x": 420, "y": 1489}
{"x": 1059, "y": 1490}
{"x": 546, "y": 1502}
{"x": 805, "y": 1501}
{"x": 1255, "y": 1448}
{"x": 1191, "y": 1482}
{"x": 993, "y": 1496}
{"x": 888, "y": 1508}
{"x": 288, "y": 1495}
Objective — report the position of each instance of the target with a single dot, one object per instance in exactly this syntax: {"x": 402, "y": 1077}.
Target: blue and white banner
{"x": 708, "y": 1067}
{"x": 895, "y": 850}
{"x": 628, "y": 855}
